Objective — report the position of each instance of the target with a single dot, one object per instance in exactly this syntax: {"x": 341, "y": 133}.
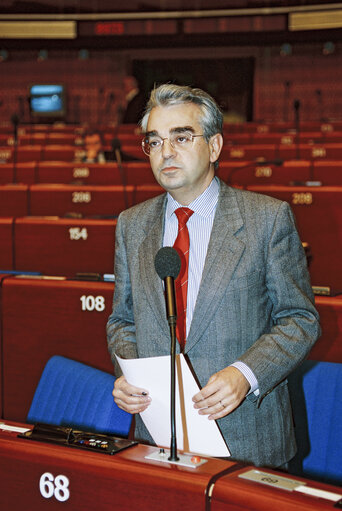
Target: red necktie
{"x": 182, "y": 245}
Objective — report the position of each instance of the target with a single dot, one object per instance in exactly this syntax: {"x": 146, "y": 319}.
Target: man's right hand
{"x": 129, "y": 398}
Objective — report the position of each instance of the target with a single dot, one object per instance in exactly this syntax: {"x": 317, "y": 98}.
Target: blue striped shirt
{"x": 199, "y": 225}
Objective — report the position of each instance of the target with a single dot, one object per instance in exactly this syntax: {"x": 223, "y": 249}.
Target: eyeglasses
{"x": 152, "y": 144}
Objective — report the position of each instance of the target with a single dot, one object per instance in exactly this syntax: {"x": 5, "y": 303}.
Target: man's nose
{"x": 167, "y": 149}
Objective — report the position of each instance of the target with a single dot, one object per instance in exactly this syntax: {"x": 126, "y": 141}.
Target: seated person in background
{"x": 94, "y": 150}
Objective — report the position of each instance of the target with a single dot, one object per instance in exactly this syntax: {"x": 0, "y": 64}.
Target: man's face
{"x": 92, "y": 145}
{"x": 185, "y": 173}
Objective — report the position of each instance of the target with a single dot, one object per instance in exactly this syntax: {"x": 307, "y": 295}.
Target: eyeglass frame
{"x": 167, "y": 138}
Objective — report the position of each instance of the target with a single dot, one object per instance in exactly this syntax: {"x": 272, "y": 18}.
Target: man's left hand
{"x": 223, "y": 393}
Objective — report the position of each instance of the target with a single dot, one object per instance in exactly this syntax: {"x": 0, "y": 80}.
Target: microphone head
{"x": 167, "y": 263}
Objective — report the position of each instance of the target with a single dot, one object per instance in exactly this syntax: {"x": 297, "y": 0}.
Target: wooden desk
{"x": 127, "y": 481}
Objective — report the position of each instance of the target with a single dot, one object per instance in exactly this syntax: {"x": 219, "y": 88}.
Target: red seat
{"x": 246, "y": 173}
{"x": 23, "y": 173}
{"x": 319, "y": 217}
{"x": 13, "y": 200}
{"x": 139, "y": 173}
{"x": 6, "y": 244}
{"x": 85, "y": 173}
{"x": 249, "y": 152}
{"x": 28, "y": 153}
{"x": 60, "y": 246}
{"x": 46, "y": 317}
{"x": 145, "y": 192}
{"x": 59, "y": 199}
{"x": 59, "y": 152}
{"x": 329, "y": 346}
{"x": 57, "y": 138}
{"x": 329, "y": 173}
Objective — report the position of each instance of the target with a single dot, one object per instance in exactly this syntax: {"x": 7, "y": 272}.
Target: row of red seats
{"x": 44, "y": 316}
{"x": 243, "y": 127}
{"x": 71, "y": 200}
{"x": 282, "y": 127}
{"x": 318, "y": 214}
{"x": 63, "y": 172}
{"x": 317, "y": 210}
{"x": 327, "y": 172}
{"x": 59, "y": 152}
{"x": 57, "y": 246}
{"x": 74, "y": 139}
{"x": 51, "y": 138}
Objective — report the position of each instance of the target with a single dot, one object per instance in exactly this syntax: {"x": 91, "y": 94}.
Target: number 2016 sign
{"x": 57, "y": 487}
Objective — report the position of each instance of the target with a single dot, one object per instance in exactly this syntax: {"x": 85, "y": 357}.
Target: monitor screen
{"x": 48, "y": 100}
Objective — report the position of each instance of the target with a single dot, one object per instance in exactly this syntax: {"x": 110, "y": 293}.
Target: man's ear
{"x": 215, "y": 147}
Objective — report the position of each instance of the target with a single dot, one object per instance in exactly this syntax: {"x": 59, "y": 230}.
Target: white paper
{"x": 195, "y": 433}
{"x": 15, "y": 429}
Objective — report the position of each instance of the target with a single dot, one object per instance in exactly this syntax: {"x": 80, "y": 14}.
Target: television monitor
{"x": 47, "y": 100}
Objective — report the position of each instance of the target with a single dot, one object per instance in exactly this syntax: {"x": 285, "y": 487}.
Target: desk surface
{"x": 38, "y": 476}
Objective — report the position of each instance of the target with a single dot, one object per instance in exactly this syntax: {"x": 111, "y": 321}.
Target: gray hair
{"x": 170, "y": 94}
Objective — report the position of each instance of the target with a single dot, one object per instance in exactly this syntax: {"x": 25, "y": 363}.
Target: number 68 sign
{"x": 57, "y": 487}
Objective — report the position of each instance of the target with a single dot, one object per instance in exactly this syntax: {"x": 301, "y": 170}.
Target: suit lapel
{"x": 224, "y": 253}
{"x": 151, "y": 283}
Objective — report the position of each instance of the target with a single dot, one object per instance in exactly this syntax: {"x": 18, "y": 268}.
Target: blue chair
{"x": 73, "y": 394}
{"x": 316, "y": 396}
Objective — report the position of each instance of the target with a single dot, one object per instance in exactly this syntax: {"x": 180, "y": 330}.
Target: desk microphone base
{"x": 185, "y": 460}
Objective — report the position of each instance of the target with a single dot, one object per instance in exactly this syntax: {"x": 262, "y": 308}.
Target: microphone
{"x": 15, "y": 122}
{"x": 116, "y": 147}
{"x": 167, "y": 264}
{"x": 296, "y": 107}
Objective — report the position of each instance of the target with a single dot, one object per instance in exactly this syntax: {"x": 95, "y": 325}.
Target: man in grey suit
{"x": 250, "y": 318}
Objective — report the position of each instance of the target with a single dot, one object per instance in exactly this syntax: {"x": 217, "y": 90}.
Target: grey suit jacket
{"x": 255, "y": 304}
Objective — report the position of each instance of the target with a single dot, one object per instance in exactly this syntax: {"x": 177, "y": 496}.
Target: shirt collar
{"x": 203, "y": 205}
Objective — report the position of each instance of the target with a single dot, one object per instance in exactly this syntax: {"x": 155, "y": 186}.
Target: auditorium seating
{"x": 46, "y": 316}
{"x": 13, "y": 200}
{"x": 59, "y": 199}
{"x": 249, "y": 152}
{"x": 77, "y": 395}
{"x": 316, "y": 389}
{"x": 328, "y": 172}
{"x": 60, "y": 152}
{"x": 318, "y": 214}
{"x": 24, "y": 173}
{"x": 328, "y": 348}
{"x": 85, "y": 173}
{"x": 6, "y": 243}
{"x": 60, "y": 246}
{"x": 246, "y": 173}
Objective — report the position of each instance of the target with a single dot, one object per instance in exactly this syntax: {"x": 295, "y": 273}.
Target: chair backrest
{"x": 316, "y": 396}
{"x": 73, "y": 394}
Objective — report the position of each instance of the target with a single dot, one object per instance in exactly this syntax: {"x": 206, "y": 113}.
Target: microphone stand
{"x": 172, "y": 320}
{"x": 116, "y": 147}
{"x": 296, "y": 106}
{"x": 15, "y": 122}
